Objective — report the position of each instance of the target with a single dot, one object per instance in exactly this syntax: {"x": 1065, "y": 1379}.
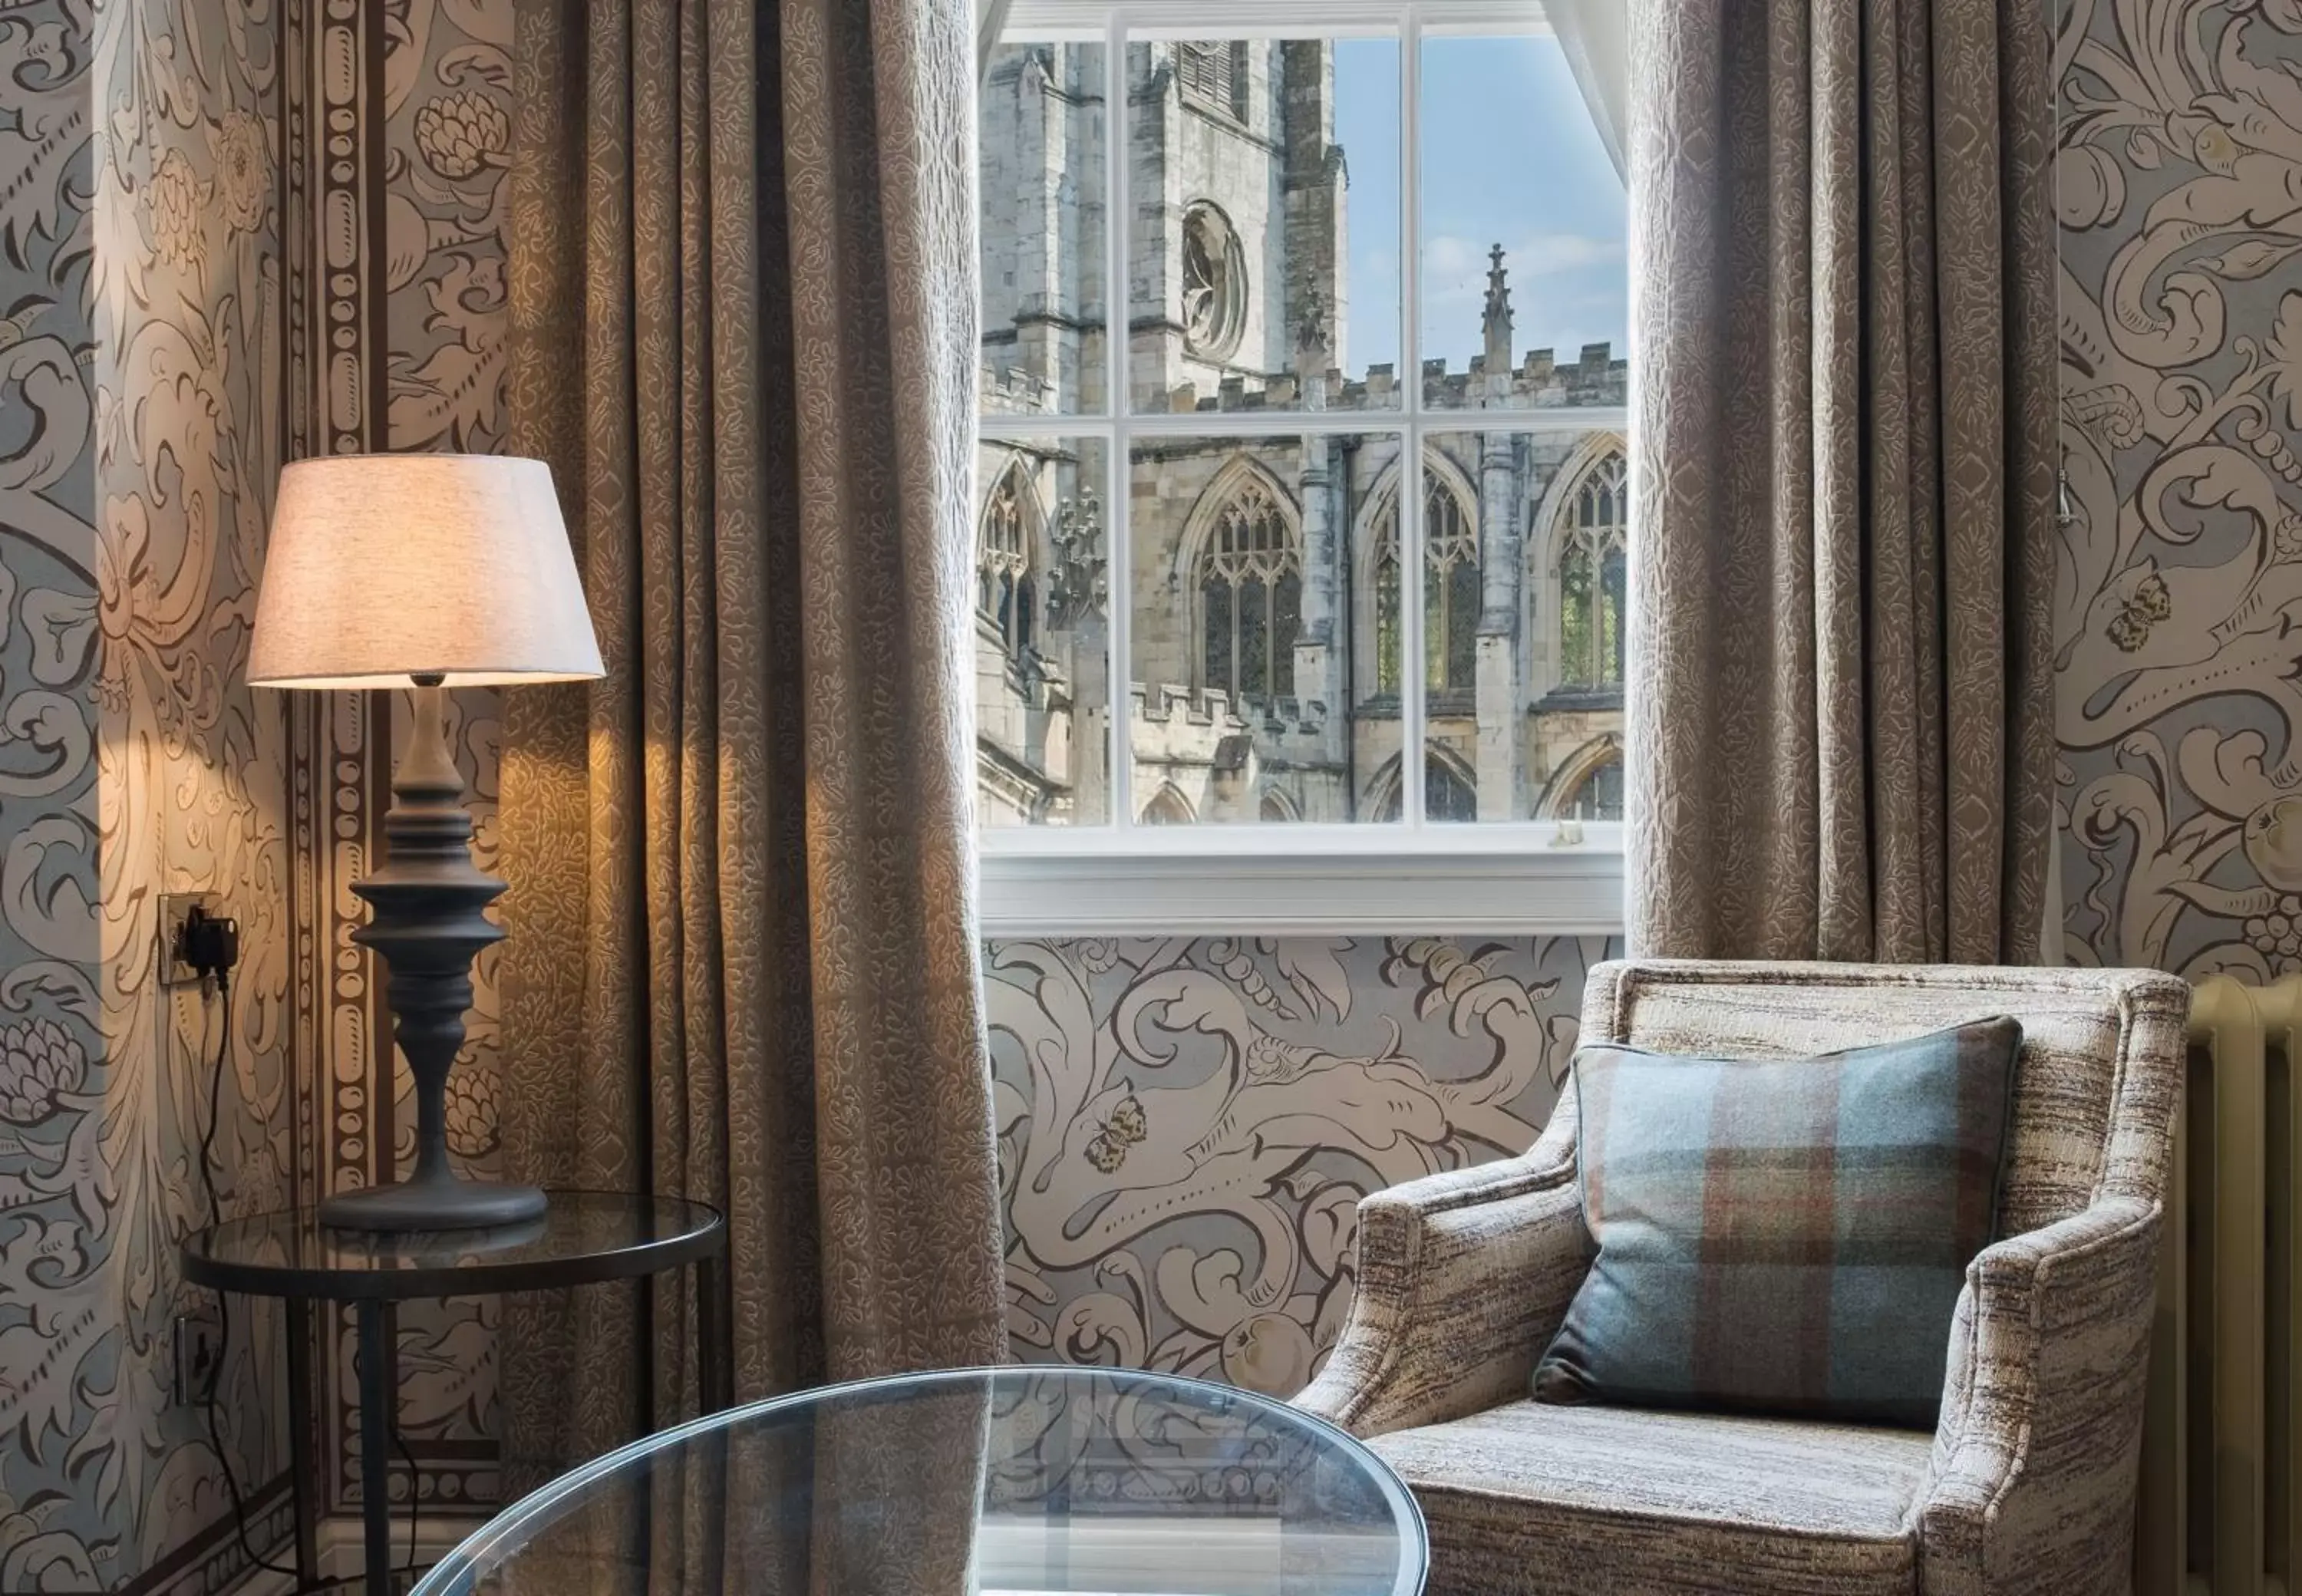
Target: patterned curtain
{"x": 743, "y": 965}
{"x": 1840, "y": 731}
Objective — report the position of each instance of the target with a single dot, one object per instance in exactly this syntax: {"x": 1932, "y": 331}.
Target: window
{"x": 1168, "y": 807}
{"x": 1592, "y": 576}
{"x": 1213, "y": 75}
{"x": 1353, "y": 351}
{"x": 1249, "y": 575}
{"x": 1598, "y": 795}
{"x": 1005, "y": 599}
{"x": 1214, "y": 283}
{"x": 1449, "y": 793}
{"x": 1451, "y": 590}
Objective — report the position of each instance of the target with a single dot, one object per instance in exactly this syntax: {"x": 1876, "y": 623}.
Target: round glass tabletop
{"x": 997, "y": 1481}
{"x": 582, "y": 1238}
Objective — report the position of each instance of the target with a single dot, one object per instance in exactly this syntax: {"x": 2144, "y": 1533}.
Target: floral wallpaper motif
{"x": 139, "y": 269}
{"x": 1187, "y": 1126}
{"x": 447, "y": 80}
{"x": 447, "y": 132}
{"x": 56, "y": 1231}
{"x": 2180, "y": 188}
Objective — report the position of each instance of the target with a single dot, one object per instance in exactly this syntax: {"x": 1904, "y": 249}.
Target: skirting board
{"x": 340, "y": 1550}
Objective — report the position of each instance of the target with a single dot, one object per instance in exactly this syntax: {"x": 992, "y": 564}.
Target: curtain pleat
{"x": 742, "y": 960}
{"x": 1840, "y": 729}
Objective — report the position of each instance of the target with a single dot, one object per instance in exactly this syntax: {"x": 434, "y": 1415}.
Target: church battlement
{"x": 1599, "y": 380}
{"x": 1276, "y": 720}
{"x": 1011, "y": 390}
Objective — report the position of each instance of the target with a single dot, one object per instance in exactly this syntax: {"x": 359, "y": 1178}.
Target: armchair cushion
{"x": 1783, "y": 1236}
{"x": 1537, "y": 1500}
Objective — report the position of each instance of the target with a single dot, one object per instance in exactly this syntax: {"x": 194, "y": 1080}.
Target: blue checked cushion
{"x": 1783, "y": 1236}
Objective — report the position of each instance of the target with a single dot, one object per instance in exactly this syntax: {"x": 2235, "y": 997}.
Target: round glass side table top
{"x": 998, "y": 1482}
{"x": 582, "y": 1238}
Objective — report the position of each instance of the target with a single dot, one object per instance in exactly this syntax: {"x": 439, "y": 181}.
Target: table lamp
{"x": 431, "y": 571}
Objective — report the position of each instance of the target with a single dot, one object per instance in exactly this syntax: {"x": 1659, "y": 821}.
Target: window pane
{"x": 1254, "y": 568}
{"x": 1042, "y": 634}
{"x": 1043, "y": 225}
{"x": 1524, "y": 284}
{"x": 1262, "y": 255}
{"x": 1530, "y": 709}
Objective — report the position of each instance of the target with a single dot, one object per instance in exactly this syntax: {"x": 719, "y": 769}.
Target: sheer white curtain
{"x": 1596, "y": 35}
{"x": 991, "y": 20}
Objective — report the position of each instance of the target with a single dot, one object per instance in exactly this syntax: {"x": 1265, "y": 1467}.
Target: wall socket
{"x": 199, "y": 1359}
{"x": 175, "y": 909}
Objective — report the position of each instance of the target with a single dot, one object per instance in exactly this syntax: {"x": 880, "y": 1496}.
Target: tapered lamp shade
{"x": 386, "y": 566}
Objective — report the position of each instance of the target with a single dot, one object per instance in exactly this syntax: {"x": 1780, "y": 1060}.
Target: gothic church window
{"x": 1450, "y": 591}
{"x": 1598, "y": 795}
{"x": 1593, "y": 582}
{"x": 1167, "y": 807}
{"x": 1448, "y": 794}
{"x": 1006, "y": 596}
{"x": 1249, "y": 576}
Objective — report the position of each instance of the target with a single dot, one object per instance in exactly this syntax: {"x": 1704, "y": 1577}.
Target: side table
{"x": 582, "y": 1239}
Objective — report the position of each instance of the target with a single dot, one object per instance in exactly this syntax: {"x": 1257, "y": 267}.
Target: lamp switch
{"x": 175, "y": 915}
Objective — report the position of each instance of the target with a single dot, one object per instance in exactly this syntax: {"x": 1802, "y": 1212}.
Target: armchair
{"x": 2026, "y": 1483}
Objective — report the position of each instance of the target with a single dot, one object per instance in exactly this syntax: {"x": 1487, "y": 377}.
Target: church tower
{"x": 1238, "y": 247}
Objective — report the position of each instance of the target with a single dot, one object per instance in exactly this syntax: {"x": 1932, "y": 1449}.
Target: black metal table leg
{"x": 717, "y": 1384}
{"x": 376, "y": 1438}
{"x": 303, "y": 1470}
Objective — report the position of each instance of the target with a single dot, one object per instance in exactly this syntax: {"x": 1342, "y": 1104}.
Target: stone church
{"x": 1265, "y": 635}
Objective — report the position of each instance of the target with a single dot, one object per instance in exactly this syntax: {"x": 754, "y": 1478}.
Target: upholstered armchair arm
{"x": 2036, "y": 1452}
{"x": 1463, "y": 1278}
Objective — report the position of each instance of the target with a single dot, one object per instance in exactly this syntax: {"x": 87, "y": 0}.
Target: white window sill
{"x": 1307, "y": 881}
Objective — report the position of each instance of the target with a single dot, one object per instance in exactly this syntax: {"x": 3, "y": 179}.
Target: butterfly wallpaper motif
{"x": 2180, "y": 182}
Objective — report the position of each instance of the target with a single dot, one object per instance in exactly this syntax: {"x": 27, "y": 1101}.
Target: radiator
{"x": 2221, "y": 1505}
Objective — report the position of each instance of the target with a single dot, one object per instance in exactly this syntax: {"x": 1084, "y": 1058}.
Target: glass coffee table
{"x": 1015, "y": 1480}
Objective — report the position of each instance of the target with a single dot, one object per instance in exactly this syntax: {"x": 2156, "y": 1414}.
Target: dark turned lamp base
{"x": 427, "y": 923}
{"x": 445, "y": 1203}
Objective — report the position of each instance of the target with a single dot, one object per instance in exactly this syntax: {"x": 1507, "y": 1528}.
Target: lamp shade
{"x": 386, "y": 566}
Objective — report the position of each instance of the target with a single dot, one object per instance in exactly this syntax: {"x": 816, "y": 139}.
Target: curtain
{"x": 990, "y": 22}
{"x": 1840, "y": 729}
{"x": 742, "y": 965}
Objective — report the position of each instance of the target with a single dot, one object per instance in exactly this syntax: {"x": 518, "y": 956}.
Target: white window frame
{"x": 1410, "y": 876}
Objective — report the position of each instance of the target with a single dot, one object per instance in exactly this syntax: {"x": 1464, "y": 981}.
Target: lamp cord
{"x": 223, "y": 1303}
{"x": 224, "y": 1329}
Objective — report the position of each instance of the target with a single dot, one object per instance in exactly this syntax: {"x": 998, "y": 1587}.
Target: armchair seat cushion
{"x": 1535, "y": 1499}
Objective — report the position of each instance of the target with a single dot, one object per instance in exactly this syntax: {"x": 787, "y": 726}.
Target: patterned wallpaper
{"x": 60, "y": 1232}
{"x": 446, "y": 126}
{"x": 2181, "y": 189}
{"x": 219, "y": 249}
{"x": 140, "y": 258}
{"x": 1187, "y": 1126}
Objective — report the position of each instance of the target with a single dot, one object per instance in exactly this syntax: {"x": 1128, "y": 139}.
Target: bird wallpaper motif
{"x": 1187, "y": 1125}
{"x": 238, "y": 231}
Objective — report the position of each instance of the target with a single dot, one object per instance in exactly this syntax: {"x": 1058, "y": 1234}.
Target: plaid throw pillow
{"x": 1783, "y": 1236}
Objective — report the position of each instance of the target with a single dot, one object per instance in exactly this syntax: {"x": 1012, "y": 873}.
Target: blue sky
{"x": 1509, "y": 157}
